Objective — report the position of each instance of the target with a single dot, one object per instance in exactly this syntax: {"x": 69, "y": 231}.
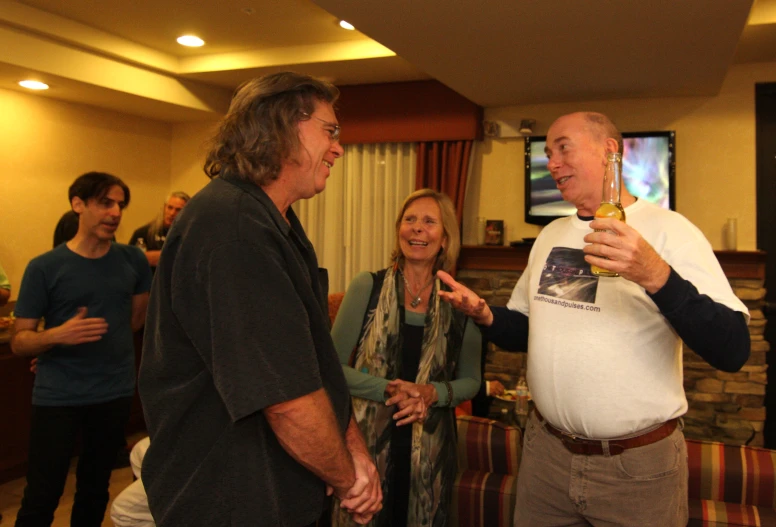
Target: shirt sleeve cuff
{"x": 441, "y": 390}
{"x": 499, "y": 325}
{"x": 672, "y": 295}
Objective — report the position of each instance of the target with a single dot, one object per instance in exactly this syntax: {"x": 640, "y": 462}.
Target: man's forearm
{"x": 137, "y": 323}
{"x": 307, "y": 429}
{"x": 354, "y": 440}
{"x": 712, "y": 330}
{"x": 138, "y": 320}
{"x": 139, "y": 309}
{"x": 508, "y": 330}
{"x": 29, "y": 343}
{"x": 153, "y": 257}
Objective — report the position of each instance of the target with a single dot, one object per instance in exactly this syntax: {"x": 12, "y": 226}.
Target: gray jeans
{"x": 645, "y": 486}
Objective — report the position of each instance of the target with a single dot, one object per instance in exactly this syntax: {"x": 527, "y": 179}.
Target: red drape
{"x": 444, "y": 166}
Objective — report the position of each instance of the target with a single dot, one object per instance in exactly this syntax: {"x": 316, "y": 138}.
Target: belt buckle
{"x": 571, "y": 442}
{"x": 577, "y": 445}
{"x": 571, "y": 438}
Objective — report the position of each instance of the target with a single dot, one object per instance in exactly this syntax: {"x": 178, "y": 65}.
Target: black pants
{"x": 53, "y": 435}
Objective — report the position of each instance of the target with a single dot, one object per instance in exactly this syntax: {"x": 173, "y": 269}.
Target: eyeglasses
{"x": 334, "y": 130}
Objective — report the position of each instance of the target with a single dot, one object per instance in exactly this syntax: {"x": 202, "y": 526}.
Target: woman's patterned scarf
{"x": 379, "y": 354}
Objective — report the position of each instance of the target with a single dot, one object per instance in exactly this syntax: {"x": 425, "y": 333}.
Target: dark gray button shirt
{"x": 237, "y": 321}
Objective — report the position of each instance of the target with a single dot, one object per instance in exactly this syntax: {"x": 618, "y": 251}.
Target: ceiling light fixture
{"x": 347, "y": 25}
{"x": 33, "y": 85}
{"x": 527, "y": 126}
{"x": 190, "y": 41}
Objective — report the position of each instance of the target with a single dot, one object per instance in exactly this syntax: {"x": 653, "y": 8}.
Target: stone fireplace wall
{"x": 726, "y": 407}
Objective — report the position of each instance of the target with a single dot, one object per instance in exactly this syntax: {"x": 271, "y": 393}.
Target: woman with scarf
{"x": 409, "y": 360}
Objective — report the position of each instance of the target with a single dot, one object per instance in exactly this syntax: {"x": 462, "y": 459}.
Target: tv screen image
{"x": 648, "y": 165}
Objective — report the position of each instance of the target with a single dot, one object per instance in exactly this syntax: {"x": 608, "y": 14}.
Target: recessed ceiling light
{"x": 33, "y": 85}
{"x": 191, "y": 41}
{"x": 346, "y": 25}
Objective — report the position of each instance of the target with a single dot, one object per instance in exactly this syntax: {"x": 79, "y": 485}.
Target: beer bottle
{"x": 610, "y": 200}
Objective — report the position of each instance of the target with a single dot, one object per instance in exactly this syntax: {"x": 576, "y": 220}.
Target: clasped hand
{"x": 413, "y": 400}
{"x": 365, "y": 498}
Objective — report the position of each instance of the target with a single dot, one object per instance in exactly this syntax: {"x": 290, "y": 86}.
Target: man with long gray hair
{"x": 244, "y": 396}
{"x": 150, "y": 237}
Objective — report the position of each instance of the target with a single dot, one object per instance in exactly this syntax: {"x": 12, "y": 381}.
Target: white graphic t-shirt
{"x": 603, "y": 362}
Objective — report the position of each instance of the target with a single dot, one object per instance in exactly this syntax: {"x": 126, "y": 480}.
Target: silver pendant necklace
{"x": 415, "y": 302}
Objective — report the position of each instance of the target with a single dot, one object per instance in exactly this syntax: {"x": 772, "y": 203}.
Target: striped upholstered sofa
{"x": 728, "y": 485}
{"x": 488, "y": 458}
{"x": 731, "y": 485}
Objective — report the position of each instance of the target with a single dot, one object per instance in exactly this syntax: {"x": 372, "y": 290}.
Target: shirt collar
{"x": 258, "y": 193}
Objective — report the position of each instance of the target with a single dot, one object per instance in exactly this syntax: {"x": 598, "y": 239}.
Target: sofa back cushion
{"x": 729, "y": 473}
{"x": 707, "y": 513}
{"x": 483, "y": 499}
{"x": 488, "y": 446}
{"x": 335, "y": 300}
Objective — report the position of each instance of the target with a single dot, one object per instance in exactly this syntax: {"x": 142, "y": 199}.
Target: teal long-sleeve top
{"x": 347, "y": 328}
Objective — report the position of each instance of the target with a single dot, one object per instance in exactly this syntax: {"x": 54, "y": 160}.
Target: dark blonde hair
{"x": 260, "y": 132}
{"x": 445, "y": 259}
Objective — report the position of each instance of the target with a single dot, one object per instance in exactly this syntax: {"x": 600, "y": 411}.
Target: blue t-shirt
{"x": 54, "y": 286}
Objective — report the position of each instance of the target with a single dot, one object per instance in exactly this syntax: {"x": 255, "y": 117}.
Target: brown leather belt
{"x": 592, "y": 447}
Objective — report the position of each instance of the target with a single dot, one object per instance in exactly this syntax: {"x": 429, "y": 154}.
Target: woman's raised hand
{"x": 465, "y": 300}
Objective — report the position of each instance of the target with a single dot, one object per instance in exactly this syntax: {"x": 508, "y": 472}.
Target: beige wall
{"x": 189, "y": 148}
{"x": 715, "y": 156}
{"x": 45, "y": 144}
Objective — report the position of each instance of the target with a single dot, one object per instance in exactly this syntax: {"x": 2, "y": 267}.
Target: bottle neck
{"x": 612, "y": 179}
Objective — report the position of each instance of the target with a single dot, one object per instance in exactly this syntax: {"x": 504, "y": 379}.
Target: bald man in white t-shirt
{"x": 605, "y": 445}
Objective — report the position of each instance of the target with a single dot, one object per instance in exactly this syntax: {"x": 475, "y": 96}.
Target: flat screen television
{"x": 648, "y": 166}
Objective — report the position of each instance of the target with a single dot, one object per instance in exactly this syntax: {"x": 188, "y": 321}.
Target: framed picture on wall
{"x": 494, "y": 232}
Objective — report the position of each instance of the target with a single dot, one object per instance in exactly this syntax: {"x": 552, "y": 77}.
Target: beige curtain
{"x": 351, "y": 223}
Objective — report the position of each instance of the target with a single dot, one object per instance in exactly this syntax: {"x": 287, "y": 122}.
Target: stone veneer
{"x": 726, "y": 407}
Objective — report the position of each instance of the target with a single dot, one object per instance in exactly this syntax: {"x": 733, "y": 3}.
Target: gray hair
{"x": 158, "y": 224}
{"x": 261, "y": 129}
{"x": 603, "y": 128}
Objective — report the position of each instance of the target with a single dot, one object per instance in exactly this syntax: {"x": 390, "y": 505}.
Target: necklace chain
{"x": 415, "y": 302}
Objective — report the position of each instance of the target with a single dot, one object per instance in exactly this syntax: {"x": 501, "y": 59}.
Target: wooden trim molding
{"x": 735, "y": 264}
{"x": 493, "y": 258}
{"x": 401, "y": 112}
{"x": 742, "y": 264}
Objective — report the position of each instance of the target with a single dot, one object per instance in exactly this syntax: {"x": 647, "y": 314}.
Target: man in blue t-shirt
{"x": 92, "y": 295}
